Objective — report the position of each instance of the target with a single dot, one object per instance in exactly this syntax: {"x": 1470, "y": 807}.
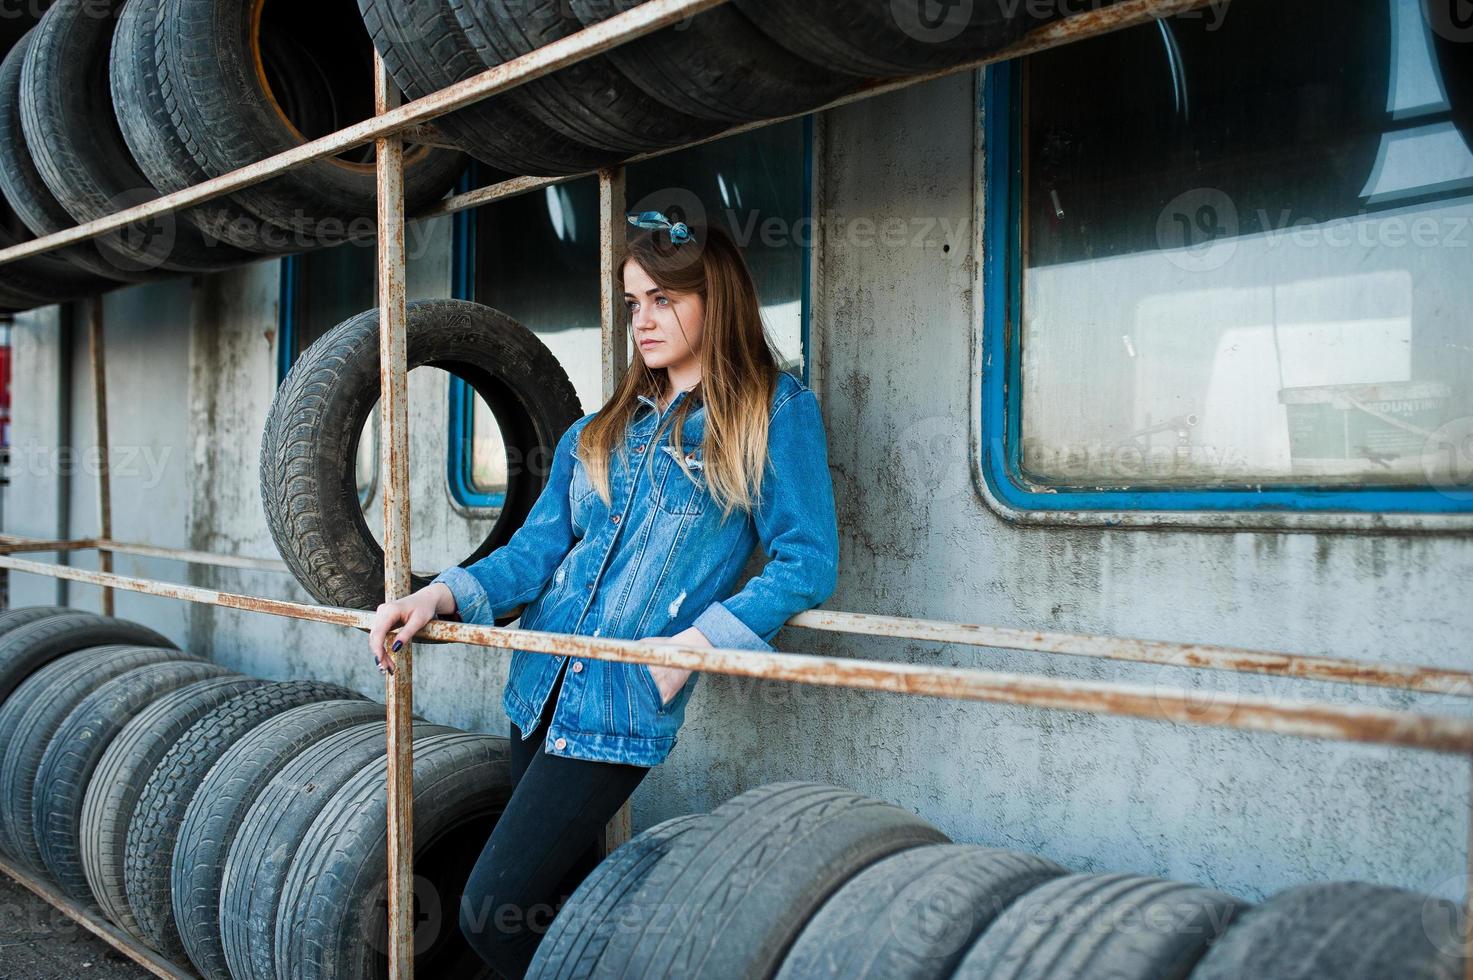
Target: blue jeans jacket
{"x": 656, "y": 561}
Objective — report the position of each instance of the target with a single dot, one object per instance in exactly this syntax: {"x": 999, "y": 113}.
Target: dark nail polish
{"x": 397, "y": 645}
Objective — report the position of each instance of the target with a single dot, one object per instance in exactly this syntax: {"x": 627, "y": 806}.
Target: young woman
{"x": 652, "y": 509}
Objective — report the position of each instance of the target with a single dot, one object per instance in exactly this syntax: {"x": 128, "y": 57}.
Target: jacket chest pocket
{"x": 581, "y": 497}
{"x": 676, "y": 492}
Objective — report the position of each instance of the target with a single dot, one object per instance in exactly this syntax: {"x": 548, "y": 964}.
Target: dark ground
{"x": 38, "y": 942}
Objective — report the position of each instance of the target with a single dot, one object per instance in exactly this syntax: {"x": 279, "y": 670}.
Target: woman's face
{"x": 661, "y": 339}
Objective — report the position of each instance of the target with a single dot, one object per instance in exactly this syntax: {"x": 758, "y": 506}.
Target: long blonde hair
{"x": 738, "y": 369}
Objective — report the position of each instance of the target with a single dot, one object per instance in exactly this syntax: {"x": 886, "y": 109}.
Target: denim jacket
{"x": 657, "y": 560}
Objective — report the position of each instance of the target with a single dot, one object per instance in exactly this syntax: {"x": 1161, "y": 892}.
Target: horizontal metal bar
{"x": 193, "y": 557}
{"x": 99, "y": 927}
{"x": 629, "y": 25}
{"x": 1201, "y": 656}
{"x": 1438, "y": 680}
{"x": 1308, "y": 719}
{"x": 12, "y": 544}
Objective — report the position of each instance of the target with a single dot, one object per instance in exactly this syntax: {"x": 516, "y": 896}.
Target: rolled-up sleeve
{"x": 516, "y": 573}
{"x": 796, "y": 523}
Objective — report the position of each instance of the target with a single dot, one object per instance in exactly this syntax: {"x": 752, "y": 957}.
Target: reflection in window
{"x": 1245, "y": 246}
{"x": 319, "y": 290}
{"x": 535, "y": 257}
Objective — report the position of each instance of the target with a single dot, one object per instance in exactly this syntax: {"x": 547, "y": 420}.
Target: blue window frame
{"x": 511, "y": 271}
{"x": 1004, "y": 463}
{"x": 318, "y": 290}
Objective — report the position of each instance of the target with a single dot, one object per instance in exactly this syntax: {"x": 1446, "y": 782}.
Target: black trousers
{"x": 544, "y": 844}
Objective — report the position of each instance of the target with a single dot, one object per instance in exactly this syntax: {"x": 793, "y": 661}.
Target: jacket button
{"x": 615, "y": 518}
{"x": 639, "y": 449}
{"x": 577, "y": 666}
{"x": 561, "y": 743}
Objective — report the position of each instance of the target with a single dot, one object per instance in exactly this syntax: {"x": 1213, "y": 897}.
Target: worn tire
{"x": 1344, "y": 930}
{"x": 67, "y": 114}
{"x": 718, "y": 65}
{"x": 582, "y": 927}
{"x": 13, "y": 619}
{"x": 28, "y": 195}
{"x": 1084, "y": 926}
{"x": 31, "y": 717}
{"x": 214, "y": 816}
{"x": 865, "y": 38}
{"x": 75, "y": 750}
{"x": 912, "y": 915}
{"x": 260, "y": 857}
{"x": 425, "y": 49}
{"x": 733, "y": 892}
{"x": 591, "y": 102}
{"x": 143, "y": 119}
{"x": 328, "y": 924}
{"x": 311, "y": 438}
{"x": 227, "y": 116}
{"x": 29, "y": 647}
{"x": 166, "y": 796}
{"x": 120, "y": 776}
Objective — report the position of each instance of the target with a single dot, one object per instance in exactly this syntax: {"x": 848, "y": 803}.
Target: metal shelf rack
{"x": 387, "y": 129}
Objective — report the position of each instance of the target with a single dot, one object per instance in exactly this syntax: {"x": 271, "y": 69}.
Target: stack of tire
{"x": 801, "y": 881}
{"x": 105, "y": 104}
{"x": 196, "y": 89}
{"x": 738, "y": 62}
{"x": 235, "y": 823}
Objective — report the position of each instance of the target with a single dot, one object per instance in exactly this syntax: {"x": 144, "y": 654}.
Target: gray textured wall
{"x": 893, "y": 350}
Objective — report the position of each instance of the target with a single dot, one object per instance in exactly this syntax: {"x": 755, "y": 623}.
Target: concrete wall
{"x": 893, "y": 349}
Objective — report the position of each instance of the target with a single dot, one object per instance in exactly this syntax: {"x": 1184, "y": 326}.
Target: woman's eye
{"x": 662, "y": 301}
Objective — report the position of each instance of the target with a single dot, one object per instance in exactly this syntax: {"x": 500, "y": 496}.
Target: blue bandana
{"x": 679, "y": 233}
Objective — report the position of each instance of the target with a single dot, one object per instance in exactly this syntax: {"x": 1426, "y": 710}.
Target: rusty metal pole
{"x": 611, "y": 237}
{"x": 394, "y": 461}
{"x": 614, "y": 352}
{"x": 104, "y": 475}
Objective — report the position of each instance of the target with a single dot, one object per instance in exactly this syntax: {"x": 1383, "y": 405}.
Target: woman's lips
{"x": 650, "y": 343}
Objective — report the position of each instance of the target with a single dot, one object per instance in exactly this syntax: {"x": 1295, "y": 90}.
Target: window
{"x": 1226, "y": 265}
{"x": 319, "y": 290}
{"x": 535, "y": 257}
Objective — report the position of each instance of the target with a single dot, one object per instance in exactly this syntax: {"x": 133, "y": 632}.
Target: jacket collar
{"x": 679, "y": 396}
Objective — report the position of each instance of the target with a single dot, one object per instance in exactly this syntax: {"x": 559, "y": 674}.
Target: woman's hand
{"x": 408, "y": 615}
{"x": 670, "y": 680}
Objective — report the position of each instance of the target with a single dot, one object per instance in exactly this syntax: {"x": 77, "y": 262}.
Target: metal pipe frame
{"x": 387, "y": 130}
{"x": 1282, "y": 716}
{"x": 1196, "y": 656}
{"x": 619, "y": 29}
